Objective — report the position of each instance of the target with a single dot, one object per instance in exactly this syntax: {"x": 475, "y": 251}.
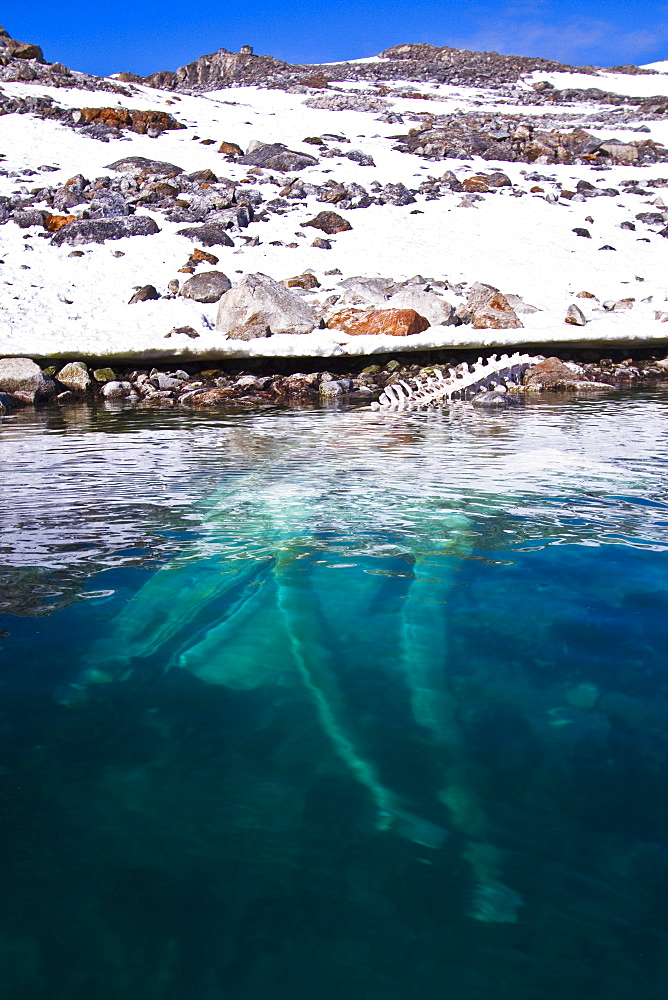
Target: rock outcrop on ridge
{"x": 411, "y": 62}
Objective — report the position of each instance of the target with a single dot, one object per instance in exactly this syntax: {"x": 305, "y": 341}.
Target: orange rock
{"x": 475, "y": 184}
{"x": 117, "y": 117}
{"x": 496, "y": 314}
{"x": 585, "y": 295}
{"x": 230, "y": 149}
{"x": 305, "y": 280}
{"x": 136, "y": 121}
{"x": 53, "y": 223}
{"x": 537, "y": 189}
{"x": 391, "y": 322}
{"x": 201, "y": 255}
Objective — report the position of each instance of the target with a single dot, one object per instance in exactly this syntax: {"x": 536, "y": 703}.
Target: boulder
{"x": 390, "y": 322}
{"x": 151, "y": 123}
{"x": 492, "y": 400}
{"x": 209, "y": 235}
{"x": 575, "y": 316}
{"x": 22, "y": 378}
{"x": 328, "y": 222}
{"x": 116, "y": 390}
{"x": 54, "y": 223}
{"x": 206, "y": 287}
{"x": 104, "y": 375}
{"x": 75, "y": 376}
{"x": 620, "y": 152}
{"x": 99, "y": 230}
{"x": 336, "y": 387}
{"x": 204, "y": 176}
{"x": 108, "y": 205}
{"x": 25, "y": 218}
{"x": 276, "y": 156}
{"x": 490, "y": 309}
{"x": 365, "y": 291}
{"x": 521, "y": 307}
{"x": 396, "y": 194}
{"x": 257, "y": 298}
{"x": 498, "y": 179}
{"x": 476, "y": 184}
{"x": 357, "y": 156}
{"x": 552, "y": 374}
{"x": 144, "y": 294}
{"x": 230, "y": 149}
{"x": 305, "y": 281}
{"x": 433, "y": 307}
{"x": 131, "y": 164}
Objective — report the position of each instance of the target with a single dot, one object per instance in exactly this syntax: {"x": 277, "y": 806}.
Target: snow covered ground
{"x": 56, "y": 305}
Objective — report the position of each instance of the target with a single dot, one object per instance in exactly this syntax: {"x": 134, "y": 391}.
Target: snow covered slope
{"x": 72, "y": 300}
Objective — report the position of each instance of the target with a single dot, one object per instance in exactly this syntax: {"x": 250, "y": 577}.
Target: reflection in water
{"x": 354, "y": 703}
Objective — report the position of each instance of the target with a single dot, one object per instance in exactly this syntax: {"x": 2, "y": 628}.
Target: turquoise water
{"x": 333, "y": 704}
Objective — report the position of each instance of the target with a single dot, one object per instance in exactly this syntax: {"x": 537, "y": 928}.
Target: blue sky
{"x": 146, "y": 35}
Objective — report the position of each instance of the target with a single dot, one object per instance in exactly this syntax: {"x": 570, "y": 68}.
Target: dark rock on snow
{"x": 276, "y": 156}
{"x": 139, "y": 163}
{"x": 328, "y": 222}
{"x": 99, "y": 230}
{"x": 145, "y": 294}
{"x": 210, "y": 235}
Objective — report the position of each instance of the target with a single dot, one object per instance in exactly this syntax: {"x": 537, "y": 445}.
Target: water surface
{"x": 330, "y": 703}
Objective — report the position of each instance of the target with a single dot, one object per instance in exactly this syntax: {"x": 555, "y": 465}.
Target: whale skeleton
{"x": 458, "y": 383}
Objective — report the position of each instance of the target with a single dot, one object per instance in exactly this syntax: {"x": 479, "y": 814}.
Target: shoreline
{"x": 285, "y": 381}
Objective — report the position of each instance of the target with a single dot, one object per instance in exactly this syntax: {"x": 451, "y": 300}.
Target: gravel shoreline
{"x": 286, "y": 381}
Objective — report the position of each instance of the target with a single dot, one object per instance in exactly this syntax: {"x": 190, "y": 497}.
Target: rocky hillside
{"x": 427, "y": 198}
{"x": 412, "y": 63}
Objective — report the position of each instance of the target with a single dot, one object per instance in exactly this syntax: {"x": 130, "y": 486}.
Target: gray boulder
{"x": 108, "y": 205}
{"x": 25, "y": 218}
{"x": 206, "y": 287}
{"x": 130, "y": 164}
{"x": 116, "y": 390}
{"x": 336, "y": 387}
{"x": 75, "y": 376}
{"x": 433, "y": 307}
{"x": 396, "y": 194}
{"x": 492, "y": 400}
{"x": 257, "y": 298}
{"x": 575, "y": 316}
{"x": 364, "y": 160}
{"x": 276, "y": 156}
{"x": 22, "y": 378}
{"x": 364, "y": 291}
{"x": 99, "y": 230}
